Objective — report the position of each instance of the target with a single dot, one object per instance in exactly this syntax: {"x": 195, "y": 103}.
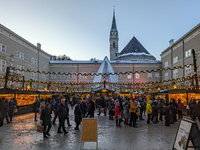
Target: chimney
{"x": 171, "y": 42}
{"x": 38, "y": 45}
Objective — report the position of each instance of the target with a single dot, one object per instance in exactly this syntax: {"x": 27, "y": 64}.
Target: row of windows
{"x": 175, "y": 73}
{"x": 20, "y": 55}
{"x": 137, "y": 76}
{"x": 175, "y": 59}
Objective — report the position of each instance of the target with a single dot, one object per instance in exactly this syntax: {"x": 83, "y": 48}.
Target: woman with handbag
{"x": 45, "y": 119}
{"x": 118, "y": 116}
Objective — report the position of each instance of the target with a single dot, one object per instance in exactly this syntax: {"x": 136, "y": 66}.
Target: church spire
{"x": 114, "y": 25}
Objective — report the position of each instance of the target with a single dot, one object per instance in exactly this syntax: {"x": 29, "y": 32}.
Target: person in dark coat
{"x": 36, "y": 107}
{"x": 67, "y": 116}
{"x": 174, "y": 110}
{"x": 55, "y": 112}
{"x": 84, "y": 108}
{"x": 194, "y": 110}
{"x": 167, "y": 114}
{"x": 12, "y": 106}
{"x": 62, "y": 113}
{"x": 141, "y": 108}
{"x": 45, "y": 119}
{"x": 111, "y": 108}
{"x": 91, "y": 109}
{"x": 154, "y": 111}
{"x": 5, "y": 109}
{"x": 1, "y": 111}
{"x": 98, "y": 100}
{"x": 78, "y": 116}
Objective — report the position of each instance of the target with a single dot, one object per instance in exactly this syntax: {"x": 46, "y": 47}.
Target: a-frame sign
{"x": 187, "y": 131}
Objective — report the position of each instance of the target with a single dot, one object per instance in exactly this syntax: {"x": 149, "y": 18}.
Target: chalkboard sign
{"x": 187, "y": 131}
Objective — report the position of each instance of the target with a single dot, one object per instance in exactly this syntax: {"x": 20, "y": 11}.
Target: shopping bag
{"x": 119, "y": 116}
{"x": 40, "y": 129}
{"x": 137, "y": 112}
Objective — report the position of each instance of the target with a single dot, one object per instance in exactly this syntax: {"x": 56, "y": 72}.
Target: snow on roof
{"x": 135, "y": 54}
{"x": 100, "y": 61}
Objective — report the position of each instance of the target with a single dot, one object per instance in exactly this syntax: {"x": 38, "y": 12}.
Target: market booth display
{"x": 26, "y": 98}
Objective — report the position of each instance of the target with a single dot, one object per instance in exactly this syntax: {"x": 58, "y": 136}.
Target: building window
{"x": 44, "y": 65}
{"x": 72, "y": 76}
{"x": 157, "y": 75}
{"x": 3, "y": 48}
{"x": 33, "y": 74}
{"x": 62, "y": 76}
{"x": 188, "y": 53}
{"x": 20, "y": 55}
{"x": 34, "y": 61}
{"x": 175, "y": 59}
{"x": 113, "y": 44}
{"x": 149, "y": 75}
{"x": 83, "y": 77}
{"x": 18, "y": 71}
{"x": 137, "y": 75}
{"x": 188, "y": 71}
{"x": 44, "y": 78}
{"x": 119, "y": 76}
{"x": 52, "y": 76}
{"x": 166, "y": 76}
{"x": 129, "y": 76}
{"x": 166, "y": 64}
{"x": 2, "y": 65}
{"x": 175, "y": 73}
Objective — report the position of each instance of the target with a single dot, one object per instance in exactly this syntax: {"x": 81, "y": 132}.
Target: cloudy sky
{"x": 80, "y": 28}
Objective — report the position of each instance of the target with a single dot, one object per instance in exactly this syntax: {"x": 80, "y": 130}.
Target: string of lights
{"x": 97, "y": 74}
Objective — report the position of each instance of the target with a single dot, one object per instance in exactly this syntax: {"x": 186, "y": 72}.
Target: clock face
{"x": 114, "y": 33}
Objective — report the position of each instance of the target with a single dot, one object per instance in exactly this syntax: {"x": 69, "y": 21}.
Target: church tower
{"x": 113, "y": 38}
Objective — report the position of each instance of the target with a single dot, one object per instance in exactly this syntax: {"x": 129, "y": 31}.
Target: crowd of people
{"x": 83, "y": 108}
{"x": 127, "y": 110}
{"x": 7, "y": 110}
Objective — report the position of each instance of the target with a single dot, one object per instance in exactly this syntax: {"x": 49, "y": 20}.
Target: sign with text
{"x": 187, "y": 131}
{"x": 89, "y": 130}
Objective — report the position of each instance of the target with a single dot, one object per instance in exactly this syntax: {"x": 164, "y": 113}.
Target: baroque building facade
{"x": 17, "y": 52}
{"x": 179, "y": 53}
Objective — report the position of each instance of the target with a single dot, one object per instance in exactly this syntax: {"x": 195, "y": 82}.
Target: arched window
{"x": 114, "y": 44}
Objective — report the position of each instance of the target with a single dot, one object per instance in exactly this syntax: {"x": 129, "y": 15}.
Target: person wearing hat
{"x": 132, "y": 111}
{"x": 180, "y": 109}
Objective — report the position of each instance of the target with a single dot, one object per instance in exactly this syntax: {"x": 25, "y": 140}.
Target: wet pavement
{"x": 21, "y": 134}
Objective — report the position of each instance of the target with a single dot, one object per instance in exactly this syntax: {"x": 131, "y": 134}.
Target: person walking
{"x": 99, "y": 105}
{"x": 55, "y": 113}
{"x": 180, "y": 109}
{"x": 12, "y": 105}
{"x": 62, "y": 113}
{"x": 67, "y": 116}
{"x": 45, "y": 119}
{"x": 118, "y": 116}
{"x": 78, "y": 116}
{"x": 149, "y": 111}
{"x": 91, "y": 108}
{"x": 132, "y": 112}
{"x": 36, "y": 107}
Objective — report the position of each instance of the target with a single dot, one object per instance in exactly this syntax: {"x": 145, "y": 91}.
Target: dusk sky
{"x": 80, "y": 28}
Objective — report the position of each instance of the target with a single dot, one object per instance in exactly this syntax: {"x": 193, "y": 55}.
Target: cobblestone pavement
{"x": 21, "y": 135}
